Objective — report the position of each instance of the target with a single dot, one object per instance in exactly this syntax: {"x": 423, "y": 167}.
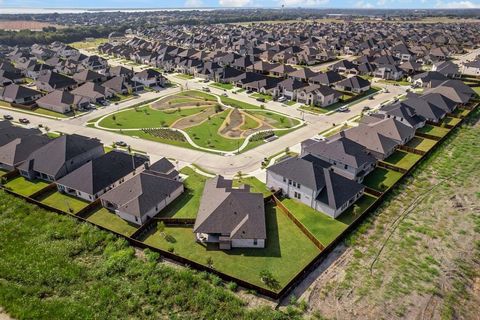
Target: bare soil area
{"x": 25, "y": 25}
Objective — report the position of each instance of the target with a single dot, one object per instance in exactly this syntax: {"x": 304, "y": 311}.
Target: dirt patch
{"x": 4, "y": 315}
{"x": 26, "y": 25}
{"x": 234, "y": 122}
{"x": 194, "y": 120}
{"x": 162, "y": 105}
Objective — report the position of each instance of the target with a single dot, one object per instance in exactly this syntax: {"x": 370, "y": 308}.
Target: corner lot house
{"x": 311, "y": 182}
{"x": 60, "y": 157}
{"x": 149, "y": 78}
{"x": 142, "y": 197}
{"x": 354, "y": 84}
{"x": 231, "y": 217}
{"x": 101, "y": 174}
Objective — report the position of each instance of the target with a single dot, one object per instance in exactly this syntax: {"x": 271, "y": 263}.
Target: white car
{"x": 282, "y": 99}
{"x": 343, "y": 109}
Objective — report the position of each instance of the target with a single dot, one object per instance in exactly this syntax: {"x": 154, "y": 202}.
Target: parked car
{"x": 261, "y": 99}
{"x": 366, "y": 108}
{"x": 249, "y": 92}
{"x": 206, "y": 89}
{"x": 343, "y": 109}
{"x": 282, "y": 99}
{"x": 224, "y": 94}
{"x": 371, "y": 98}
{"x": 121, "y": 144}
{"x": 24, "y": 120}
{"x": 104, "y": 103}
{"x": 7, "y": 117}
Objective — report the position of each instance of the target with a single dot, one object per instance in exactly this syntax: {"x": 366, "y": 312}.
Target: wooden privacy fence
{"x": 428, "y": 136}
{"x": 412, "y": 150}
{"x": 374, "y": 192}
{"x": 385, "y": 165}
{"x": 85, "y": 212}
{"x": 36, "y": 195}
{"x": 305, "y": 231}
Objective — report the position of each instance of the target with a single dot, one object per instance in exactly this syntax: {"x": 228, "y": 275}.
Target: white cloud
{"x": 304, "y": 3}
{"x": 234, "y": 3}
{"x": 192, "y": 3}
{"x": 458, "y": 5}
{"x": 363, "y": 4}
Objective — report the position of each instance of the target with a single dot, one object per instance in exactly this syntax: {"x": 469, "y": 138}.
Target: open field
{"x": 88, "y": 44}
{"x": 417, "y": 256}
{"x": 53, "y": 267}
{"x": 287, "y": 251}
{"x": 16, "y": 25}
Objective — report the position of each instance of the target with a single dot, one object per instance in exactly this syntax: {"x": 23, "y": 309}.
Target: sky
{"x": 414, "y": 4}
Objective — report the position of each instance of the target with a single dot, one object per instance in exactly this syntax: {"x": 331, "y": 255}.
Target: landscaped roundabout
{"x": 200, "y": 120}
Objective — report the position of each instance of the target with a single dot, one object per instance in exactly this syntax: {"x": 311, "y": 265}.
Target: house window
{"x": 290, "y": 182}
{"x": 298, "y": 185}
{"x": 136, "y": 219}
{"x": 254, "y": 242}
{"x": 345, "y": 166}
{"x": 297, "y": 195}
{"x": 284, "y": 179}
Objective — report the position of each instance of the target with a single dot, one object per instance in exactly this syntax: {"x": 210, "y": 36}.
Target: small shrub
{"x": 232, "y": 286}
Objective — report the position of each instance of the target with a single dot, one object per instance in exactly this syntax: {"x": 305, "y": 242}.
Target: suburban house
{"x": 63, "y": 101}
{"x": 344, "y": 156}
{"x": 403, "y": 113}
{"x": 60, "y": 157}
{"x": 471, "y": 68}
{"x": 142, "y": 197}
{"x": 150, "y": 78}
{"x": 425, "y": 109}
{"x": 354, "y": 84}
{"x": 318, "y": 95}
{"x": 15, "y": 152}
{"x": 101, "y": 174}
{"x": 380, "y": 136}
{"x": 231, "y": 217}
{"x": 51, "y": 81}
{"x": 121, "y": 85}
{"x": 94, "y": 92}
{"x": 310, "y": 181}
{"x": 19, "y": 94}
{"x": 427, "y": 79}
{"x": 328, "y": 78}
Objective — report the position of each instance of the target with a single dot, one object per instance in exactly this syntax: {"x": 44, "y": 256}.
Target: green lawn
{"x": 287, "y": 251}
{"x": 451, "y": 121}
{"x": 267, "y": 97}
{"x": 324, "y": 228}
{"x": 255, "y": 185}
{"x": 93, "y": 43}
{"x": 381, "y": 179}
{"x": 111, "y": 221}
{"x": 206, "y": 134}
{"x": 402, "y": 159}
{"x": 290, "y": 103}
{"x": 184, "y": 76}
{"x": 237, "y": 104}
{"x": 25, "y": 187}
{"x": 349, "y": 215}
{"x": 3, "y": 172}
{"x": 64, "y": 202}
{"x": 225, "y": 86}
{"x": 422, "y": 144}
{"x": 145, "y": 117}
{"x": 186, "y": 205}
{"x": 52, "y": 113}
{"x": 434, "y": 130}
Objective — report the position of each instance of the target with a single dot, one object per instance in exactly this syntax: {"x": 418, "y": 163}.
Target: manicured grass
{"x": 196, "y": 94}
{"x": 267, "y": 97}
{"x": 289, "y": 102}
{"x": 3, "y": 172}
{"x": 381, "y": 179}
{"x": 249, "y": 123}
{"x": 52, "y": 113}
{"x": 183, "y": 76}
{"x": 402, "y": 159}
{"x": 186, "y": 205}
{"x": 287, "y": 251}
{"x": 25, "y": 187}
{"x": 317, "y": 110}
{"x": 358, "y": 208}
{"x": 255, "y": 185}
{"x": 237, "y": 104}
{"x": 206, "y": 134}
{"x": 145, "y": 117}
{"x": 225, "y": 86}
{"x": 451, "y": 121}
{"x": 111, "y": 221}
{"x": 64, "y": 202}
{"x": 422, "y": 144}
{"x": 324, "y": 228}
{"x": 434, "y": 130}
{"x": 399, "y": 82}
